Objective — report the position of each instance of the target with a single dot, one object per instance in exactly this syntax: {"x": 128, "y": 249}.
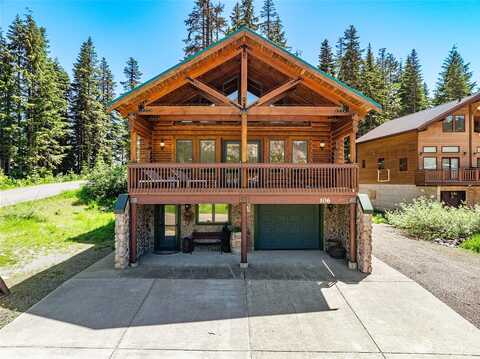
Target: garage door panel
{"x": 288, "y": 227}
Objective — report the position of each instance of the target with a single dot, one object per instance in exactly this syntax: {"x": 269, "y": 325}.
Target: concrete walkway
{"x": 158, "y": 310}
{"x": 33, "y": 193}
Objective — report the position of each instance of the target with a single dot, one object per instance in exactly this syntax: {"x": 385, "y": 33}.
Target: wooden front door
{"x": 450, "y": 166}
{"x": 166, "y": 228}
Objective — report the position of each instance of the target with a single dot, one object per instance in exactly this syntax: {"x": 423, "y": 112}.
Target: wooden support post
{"x": 471, "y": 125}
{"x": 353, "y": 139}
{"x": 133, "y": 231}
{"x": 352, "y": 263}
{"x": 244, "y": 239}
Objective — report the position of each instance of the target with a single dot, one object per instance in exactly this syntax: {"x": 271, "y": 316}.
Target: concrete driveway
{"x": 203, "y": 306}
{"x": 23, "y": 194}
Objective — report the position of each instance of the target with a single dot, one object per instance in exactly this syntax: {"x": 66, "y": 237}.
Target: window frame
{"x": 200, "y": 149}
{"x": 306, "y": 150}
{"x": 457, "y": 151}
{"x": 424, "y": 151}
{"x": 214, "y": 222}
{"x": 405, "y": 162}
{"x": 347, "y": 150}
{"x": 429, "y": 169}
{"x": 270, "y": 149}
{"x": 453, "y": 127}
{"x": 381, "y": 163}
{"x": 176, "y": 149}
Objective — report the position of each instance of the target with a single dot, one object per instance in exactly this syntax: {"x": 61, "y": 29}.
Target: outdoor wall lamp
{"x": 162, "y": 144}
{"x": 322, "y": 145}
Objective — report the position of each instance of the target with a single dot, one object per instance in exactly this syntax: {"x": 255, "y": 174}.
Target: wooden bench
{"x": 211, "y": 238}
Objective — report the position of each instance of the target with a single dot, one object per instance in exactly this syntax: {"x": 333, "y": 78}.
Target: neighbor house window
{"x": 207, "y": 151}
{"x": 364, "y": 164}
{"x": 184, "y": 150}
{"x": 429, "y": 163}
{"x": 217, "y": 213}
{"x": 381, "y": 163}
{"x": 454, "y": 123}
{"x": 277, "y": 151}
{"x": 403, "y": 164}
{"x": 429, "y": 149}
{"x": 346, "y": 149}
{"x": 450, "y": 149}
{"x": 299, "y": 151}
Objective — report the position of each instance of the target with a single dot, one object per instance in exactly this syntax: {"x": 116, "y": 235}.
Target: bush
{"x": 36, "y": 179}
{"x": 472, "y": 244}
{"x": 105, "y": 183}
{"x": 428, "y": 219}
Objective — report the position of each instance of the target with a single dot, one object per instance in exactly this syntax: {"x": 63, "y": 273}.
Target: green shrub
{"x": 36, "y": 179}
{"x": 379, "y": 217}
{"x": 472, "y": 244}
{"x": 105, "y": 183}
{"x": 428, "y": 219}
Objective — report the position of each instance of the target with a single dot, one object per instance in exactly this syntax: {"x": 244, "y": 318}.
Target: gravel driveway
{"x": 33, "y": 193}
{"x": 451, "y": 274}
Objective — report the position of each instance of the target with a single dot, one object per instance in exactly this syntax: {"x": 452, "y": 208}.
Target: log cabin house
{"x": 248, "y": 134}
{"x": 433, "y": 153}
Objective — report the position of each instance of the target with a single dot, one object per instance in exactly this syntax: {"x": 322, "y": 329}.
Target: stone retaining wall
{"x": 122, "y": 238}
{"x": 364, "y": 241}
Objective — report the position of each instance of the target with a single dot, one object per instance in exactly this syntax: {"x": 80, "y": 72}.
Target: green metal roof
{"x": 246, "y": 29}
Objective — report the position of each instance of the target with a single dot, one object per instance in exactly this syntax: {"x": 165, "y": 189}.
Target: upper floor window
{"x": 450, "y": 149}
{"x": 207, "y": 151}
{"x": 346, "y": 149}
{"x": 429, "y": 163}
{"x": 454, "y": 123}
{"x": 429, "y": 149}
{"x": 381, "y": 163}
{"x": 184, "y": 149}
{"x": 299, "y": 151}
{"x": 277, "y": 151}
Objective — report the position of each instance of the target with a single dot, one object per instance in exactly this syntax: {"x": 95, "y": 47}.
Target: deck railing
{"x": 152, "y": 178}
{"x": 448, "y": 176}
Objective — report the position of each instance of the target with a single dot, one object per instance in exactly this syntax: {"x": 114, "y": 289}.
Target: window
{"x": 253, "y": 149}
{"x": 429, "y": 149}
{"x": 450, "y": 163}
{"x": 299, "y": 151}
{"x": 213, "y": 213}
{"x": 232, "y": 151}
{"x": 477, "y": 124}
{"x": 454, "y": 123}
{"x": 207, "y": 151}
{"x": 277, "y": 151}
{"x": 381, "y": 163}
{"x": 346, "y": 149}
{"x": 450, "y": 149}
{"x": 403, "y": 164}
{"x": 184, "y": 151}
{"x": 138, "y": 152}
{"x": 478, "y": 162}
{"x": 364, "y": 164}
{"x": 429, "y": 163}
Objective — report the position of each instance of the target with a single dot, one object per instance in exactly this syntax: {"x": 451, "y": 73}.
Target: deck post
{"x": 133, "y": 232}
{"x": 243, "y": 245}
{"x": 352, "y": 262}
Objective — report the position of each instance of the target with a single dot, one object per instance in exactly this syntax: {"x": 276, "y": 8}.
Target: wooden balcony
{"x": 455, "y": 177}
{"x": 232, "y": 183}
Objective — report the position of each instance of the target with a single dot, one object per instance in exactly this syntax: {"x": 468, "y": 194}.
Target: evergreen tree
{"x": 412, "y": 91}
{"x": 219, "y": 22}
{"x": 132, "y": 74}
{"x": 339, "y": 50}
{"x": 88, "y": 118}
{"x": 455, "y": 79}
{"x": 326, "y": 62}
{"x": 278, "y": 34}
{"x": 247, "y": 15}
{"x": 350, "y": 62}
{"x": 271, "y": 25}
{"x": 107, "y": 94}
{"x": 389, "y": 96}
{"x": 235, "y": 18}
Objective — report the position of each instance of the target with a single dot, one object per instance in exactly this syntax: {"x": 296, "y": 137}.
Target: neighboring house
{"x": 433, "y": 153}
{"x": 243, "y": 133}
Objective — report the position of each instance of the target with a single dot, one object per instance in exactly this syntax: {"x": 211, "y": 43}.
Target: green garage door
{"x": 288, "y": 227}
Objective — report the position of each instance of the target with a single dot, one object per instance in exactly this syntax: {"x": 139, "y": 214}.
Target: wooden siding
{"x": 391, "y": 149}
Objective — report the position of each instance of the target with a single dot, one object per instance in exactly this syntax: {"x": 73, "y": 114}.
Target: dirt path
{"x": 451, "y": 274}
{"x": 33, "y": 193}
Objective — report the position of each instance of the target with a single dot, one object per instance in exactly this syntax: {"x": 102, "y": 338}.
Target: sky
{"x": 152, "y": 30}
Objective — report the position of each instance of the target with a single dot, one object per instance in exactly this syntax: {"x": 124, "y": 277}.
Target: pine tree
{"x": 339, "y": 50}
{"x": 132, "y": 74}
{"x": 107, "y": 94}
{"x": 247, "y": 15}
{"x": 350, "y": 62}
{"x": 326, "y": 63}
{"x": 455, "y": 79}
{"x": 412, "y": 91}
{"x": 219, "y": 26}
{"x": 235, "y": 18}
{"x": 389, "y": 96}
{"x": 88, "y": 118}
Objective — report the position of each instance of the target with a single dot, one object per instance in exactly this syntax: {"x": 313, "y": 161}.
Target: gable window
{"x": 216, "y": 213}
{"x": 381, "y": 163}
{"x": 430, "y": 149}
{"x": 450, "y": 149}
{"x": 454, "y": 123}
{"x": 299, "y": 151}
{"x": 207, "y": 151}
{"x": 429, "y": 163}
{"x": 403, "y": 164}
{"x": 184, "y": 149}
{"x": 277, "y": 151}
{"x": 346, "y": 149}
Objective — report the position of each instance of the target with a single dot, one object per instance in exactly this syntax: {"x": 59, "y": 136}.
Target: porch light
{"x": 322, "y": 145}
{"x": 162, "y": 144}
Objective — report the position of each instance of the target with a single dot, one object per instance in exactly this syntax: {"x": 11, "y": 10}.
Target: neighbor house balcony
{"x": 233, "y": 182}
{"x": 448, "y": 177}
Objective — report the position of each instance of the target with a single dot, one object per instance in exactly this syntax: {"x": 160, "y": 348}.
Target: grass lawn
{"x": 45, "y": 242}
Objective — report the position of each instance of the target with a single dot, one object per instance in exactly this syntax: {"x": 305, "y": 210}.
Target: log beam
{"x": 276, "y": 93}
{"x": 212, "y": 93}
